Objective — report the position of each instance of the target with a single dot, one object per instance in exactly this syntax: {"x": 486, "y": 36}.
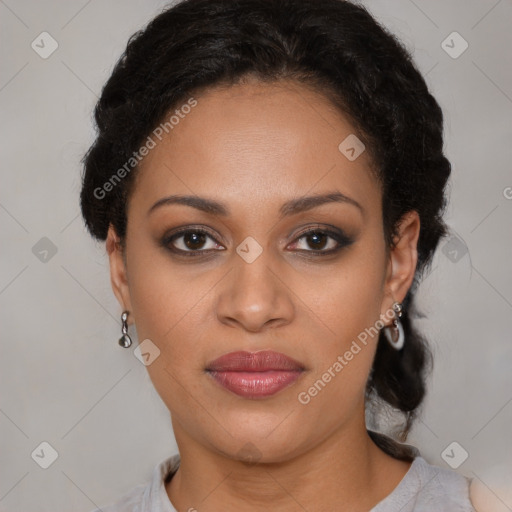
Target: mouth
{"x": 255, "y": 375}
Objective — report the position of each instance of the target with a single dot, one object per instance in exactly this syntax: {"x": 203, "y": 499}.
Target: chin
{"x": 261, "y": 439}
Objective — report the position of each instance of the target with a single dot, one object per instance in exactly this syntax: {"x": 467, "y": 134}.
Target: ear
{"x": 118, "y": 274}
{"x": 403, "y": 259}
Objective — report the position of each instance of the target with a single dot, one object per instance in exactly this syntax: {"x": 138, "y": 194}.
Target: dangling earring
{"x": 395, "y": 340}
{"x": 125, "y": 340}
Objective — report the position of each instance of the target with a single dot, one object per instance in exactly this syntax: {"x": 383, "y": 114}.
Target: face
{"x": 290, "y": 258}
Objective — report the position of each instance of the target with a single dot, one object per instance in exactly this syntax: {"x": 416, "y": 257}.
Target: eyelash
{"x": 341, "y": 239}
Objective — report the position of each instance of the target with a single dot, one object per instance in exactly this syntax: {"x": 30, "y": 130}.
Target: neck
{"x": 345, "y": 468}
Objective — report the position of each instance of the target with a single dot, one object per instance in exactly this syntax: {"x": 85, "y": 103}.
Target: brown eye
{"x": 317, "y": 240}
{"x": 321, "y": 241}
{"x": 191, "y": 241}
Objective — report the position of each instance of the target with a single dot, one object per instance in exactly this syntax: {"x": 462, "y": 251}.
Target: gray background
{"x": 65, "y": 380}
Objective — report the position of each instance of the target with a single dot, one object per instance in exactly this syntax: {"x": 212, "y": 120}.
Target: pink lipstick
{"x": 255, "y": 375}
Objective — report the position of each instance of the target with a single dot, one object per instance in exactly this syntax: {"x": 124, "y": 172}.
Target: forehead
{"x": 256, "y": 142}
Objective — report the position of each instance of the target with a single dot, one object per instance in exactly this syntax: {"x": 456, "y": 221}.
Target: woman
{"x": 269, "y": 179}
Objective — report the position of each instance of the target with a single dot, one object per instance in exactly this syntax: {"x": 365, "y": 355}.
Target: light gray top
{"x": 424, "y": 488}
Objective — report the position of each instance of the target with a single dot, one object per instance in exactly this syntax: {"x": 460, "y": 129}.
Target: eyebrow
{"x": 291, "y": 207}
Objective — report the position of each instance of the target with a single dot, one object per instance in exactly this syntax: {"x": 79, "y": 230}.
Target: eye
{"x": 199, "y": 241}
{"x": 322, "y": 241}
{"x": 191, "y": 242}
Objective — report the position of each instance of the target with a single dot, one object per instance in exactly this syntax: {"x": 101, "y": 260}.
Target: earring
{"x": 125, "y": 340}
{"x": 396, "y": 341}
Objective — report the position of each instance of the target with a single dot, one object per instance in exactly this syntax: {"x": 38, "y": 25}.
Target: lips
{"x": 255, "y": 375}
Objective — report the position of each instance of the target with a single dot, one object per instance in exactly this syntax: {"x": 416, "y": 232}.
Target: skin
{"x": 254, "y": 147}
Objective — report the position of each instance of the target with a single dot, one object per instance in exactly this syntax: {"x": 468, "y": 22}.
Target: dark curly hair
{"x": 337, "y": 48}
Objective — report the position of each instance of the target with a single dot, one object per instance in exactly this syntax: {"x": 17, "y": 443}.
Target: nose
{"x": 255, "y": 296}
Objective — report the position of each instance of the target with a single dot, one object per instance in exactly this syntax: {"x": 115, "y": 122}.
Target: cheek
{"x": 167, "y": 317}
{"x": 163, "y": 294}
{"x": 169, "y": 309}
{"x": 170, "y": 304}
{"x": 349, "y": 310}
{"x": 348, "y": 302}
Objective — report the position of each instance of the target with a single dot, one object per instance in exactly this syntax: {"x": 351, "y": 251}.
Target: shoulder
{"x": 148, "y": 497}
{"x": 442, "y": 488}
{"x": 427, "y": 487}
{"x": 130, "y": 502}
